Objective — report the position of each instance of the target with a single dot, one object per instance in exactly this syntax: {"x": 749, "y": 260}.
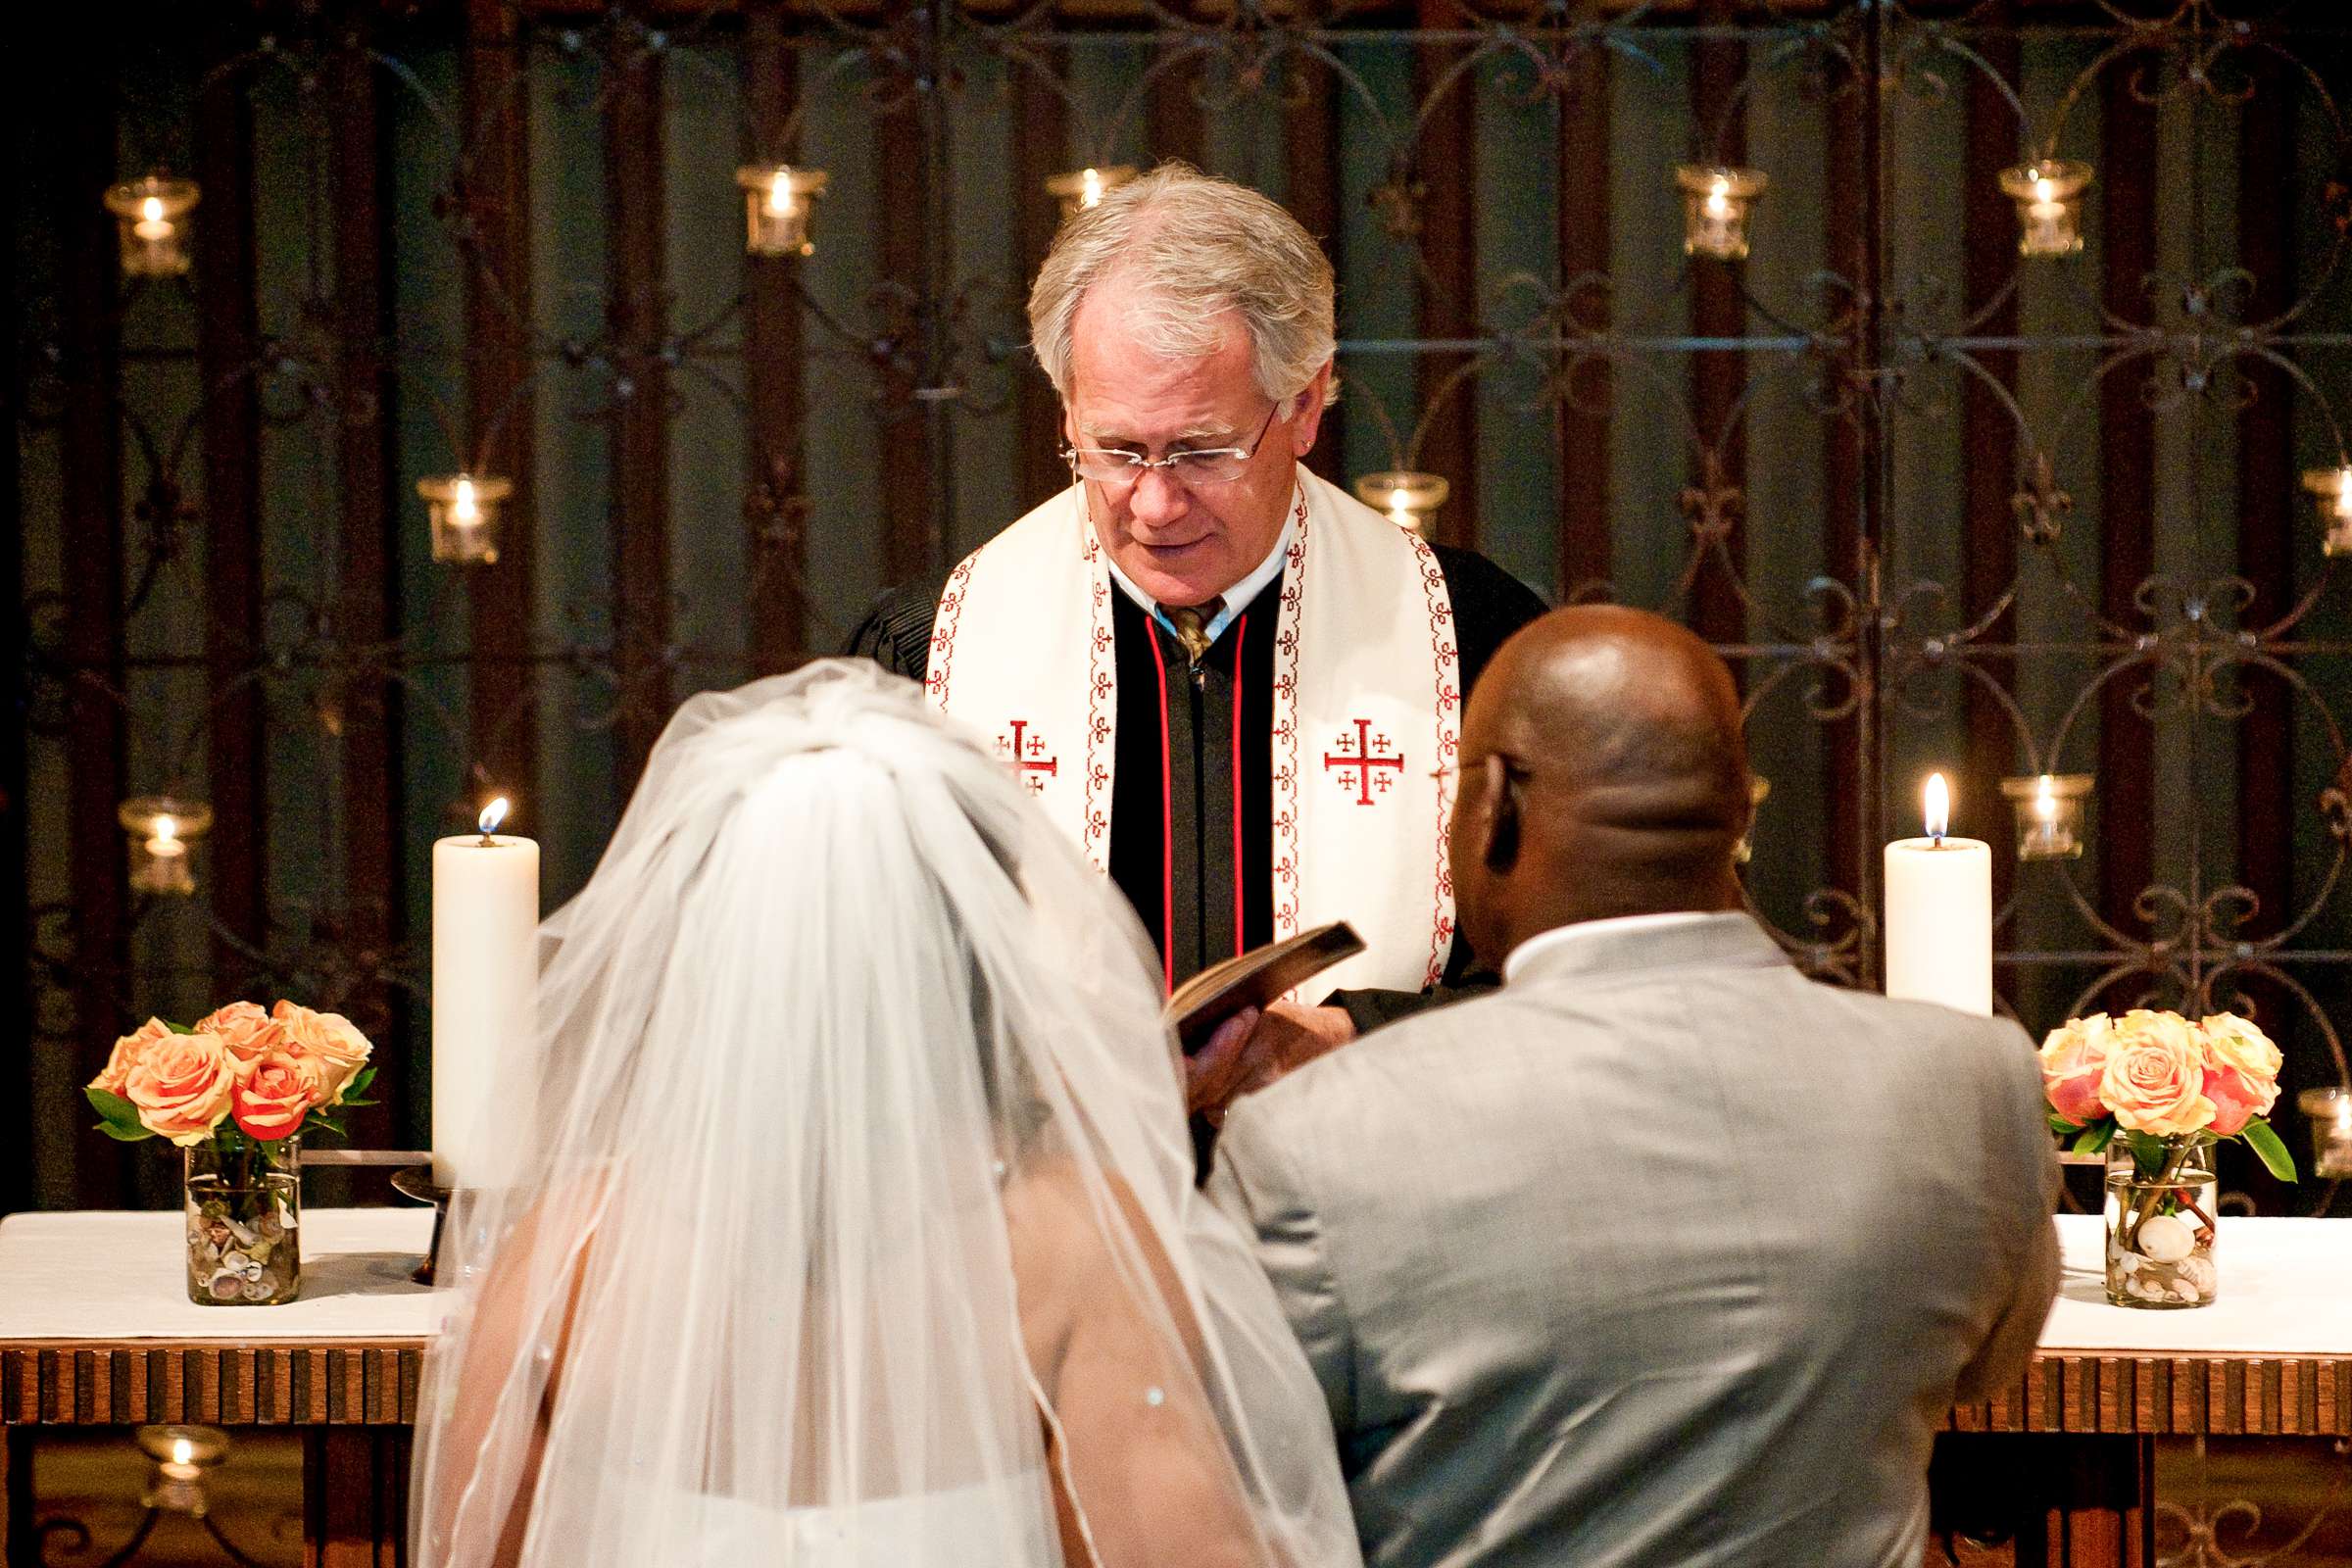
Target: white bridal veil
{"x": 860, "y": 1167}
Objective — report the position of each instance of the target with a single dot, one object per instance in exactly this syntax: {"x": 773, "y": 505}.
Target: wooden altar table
{"x": 2063, "y": 1464}
{"x": 96, "y": 1330}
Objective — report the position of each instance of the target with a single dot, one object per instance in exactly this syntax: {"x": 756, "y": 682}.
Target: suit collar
{"x": 1730, "y": 940}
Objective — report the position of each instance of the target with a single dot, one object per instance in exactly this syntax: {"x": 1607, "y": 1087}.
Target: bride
{"x": 856, "y": 1226}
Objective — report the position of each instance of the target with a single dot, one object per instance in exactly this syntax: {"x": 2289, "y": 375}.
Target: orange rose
{"x": 328, "y": 1038}
{"x": 181, "y": 1086}
{"x": 2241, "y": 1072}
{"x": 128, "y": 1054}
{"x": 2154, "y": 1080}
{"x": 2074, "y": 1062}
{"x": 276, "y": 1092}
{"x": 249, "y": 1033}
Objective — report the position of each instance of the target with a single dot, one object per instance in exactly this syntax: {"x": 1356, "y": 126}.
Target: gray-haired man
{"x": 1236, "y": 687}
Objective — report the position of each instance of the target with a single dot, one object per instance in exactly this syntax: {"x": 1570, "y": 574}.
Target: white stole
{"x": 1366, "y": 717}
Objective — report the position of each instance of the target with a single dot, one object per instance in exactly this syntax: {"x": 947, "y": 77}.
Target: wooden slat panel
{"x": 1718, "y": 377}
{"x": 2127, "y": 524}
{"x": 913, "y": 534}
{"x": 641, "y": 452}
{"x": 495, "y": 189}
{"x": 1311, "y": 183}
{"x": 1445, "y": 162}
{"x": 637, "y": 319}
{"x": 1580, "y": 435}
{"x": 367, "y": 709}
{"x": 90, "y": 453}
{"x": 1987, "y": 434}
{"x": 227, "y": 340}
{"x": 776, "y": 519}
{"x": 1040, "y": 151}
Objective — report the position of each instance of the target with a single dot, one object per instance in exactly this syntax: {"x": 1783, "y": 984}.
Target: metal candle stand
{"x": 415, "y": 1182}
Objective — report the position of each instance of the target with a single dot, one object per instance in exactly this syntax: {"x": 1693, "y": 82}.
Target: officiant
{"x": 1237, "y": 688}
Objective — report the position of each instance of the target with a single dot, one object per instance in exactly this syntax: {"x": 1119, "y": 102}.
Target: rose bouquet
{"x": 235, "y": 1092}
{"x": 2162, "y": 1091}
{"x": 239, "y": 1077}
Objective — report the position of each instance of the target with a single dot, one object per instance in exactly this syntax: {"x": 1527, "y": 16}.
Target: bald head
{"x": 1603, "y": 773}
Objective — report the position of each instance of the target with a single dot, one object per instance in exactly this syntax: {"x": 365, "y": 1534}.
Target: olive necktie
{"x": 1191, "y": 627}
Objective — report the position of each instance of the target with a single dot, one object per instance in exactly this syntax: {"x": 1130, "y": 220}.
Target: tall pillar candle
{"x": 1939, "y": 914}
{"x": 485, "y": 992}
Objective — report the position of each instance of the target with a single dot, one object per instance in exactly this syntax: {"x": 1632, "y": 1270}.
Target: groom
{"x": 1670, "y": 1255}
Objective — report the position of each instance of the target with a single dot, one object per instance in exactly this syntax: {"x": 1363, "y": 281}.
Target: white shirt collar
{"x": 1236, "y": 598}
{"x": 1563, "y": 935}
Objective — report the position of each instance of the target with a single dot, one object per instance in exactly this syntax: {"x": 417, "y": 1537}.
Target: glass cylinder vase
{"x": 2161, "y": 1224}
{"x": 244, "y": 1212}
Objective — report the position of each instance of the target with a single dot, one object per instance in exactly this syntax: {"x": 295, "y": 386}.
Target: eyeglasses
{"x": 1114, "y": 465}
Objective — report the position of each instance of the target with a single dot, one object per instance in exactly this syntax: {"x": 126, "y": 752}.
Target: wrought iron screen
{"x": 1942, "y": 503}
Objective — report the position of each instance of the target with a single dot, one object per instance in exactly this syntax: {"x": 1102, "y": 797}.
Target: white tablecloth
{"x": 2286, "y": 1291}
{"x": 2286, "y": 1286}
{"x": 105, "y": 1275}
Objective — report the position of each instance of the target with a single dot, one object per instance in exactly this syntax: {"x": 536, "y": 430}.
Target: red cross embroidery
{"x": 1366, "y": 756}
{"x": 1028, "y": 755}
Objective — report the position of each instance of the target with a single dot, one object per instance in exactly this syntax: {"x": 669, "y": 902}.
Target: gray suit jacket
{"x": 1661, "y": 1255}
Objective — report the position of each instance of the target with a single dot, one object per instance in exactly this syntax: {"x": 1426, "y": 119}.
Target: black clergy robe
{"x": 1192, "y": 802}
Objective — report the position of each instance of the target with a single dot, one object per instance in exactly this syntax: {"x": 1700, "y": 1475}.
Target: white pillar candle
{"x": 1939, "y": 914}
{"x": 485, "y": 993}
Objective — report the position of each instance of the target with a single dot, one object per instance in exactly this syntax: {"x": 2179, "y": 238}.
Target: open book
{"x": 1254, "y": 978}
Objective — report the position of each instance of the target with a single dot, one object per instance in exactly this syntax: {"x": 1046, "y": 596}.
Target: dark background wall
{"x": 1941, "y": 505}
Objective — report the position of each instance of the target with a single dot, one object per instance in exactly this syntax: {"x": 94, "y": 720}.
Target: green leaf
{"x": 2060, "y": 1126}
{"x": 177, "y": 1028}
{"x": 2094, "y": 1137}
{"x": 2267, "y": 1147}
{"x": 359, "y": 1084}
{"x": 2148, "y": 1154}
{"x": 124, "y": 1135}
{"x": 118, "y": 1111}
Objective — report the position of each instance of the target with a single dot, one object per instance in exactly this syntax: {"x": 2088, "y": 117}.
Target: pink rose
{"x": 128, "y": 1054}
{"x": 2074, "y": 1060}
{"x": 2154, "y": 1081}
{"x": 249, "y": 1033}
{"x": 328, "y": 1038}
{"x": 181, "y": 1086}
{"x": 2241, "y": 1072}
{"x": 276, "y": 1092}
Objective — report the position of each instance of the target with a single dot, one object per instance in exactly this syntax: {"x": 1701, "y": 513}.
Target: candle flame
{"x": 1398, "y": 499}
{"x": 2045, "y": 799}
{"x": 1939, "y": 806}
{"x": 779, "y": 193}
{"x": 1091, "y": 192}
{"x": 152, "y": 209}
{"x": 182, "y": 1450}
{"x": 165, "y": 829}
{"x": 2344, "y": 492}
{"x": 493, "y": 814}
{"x": 464, "y": 509}
{"x": 1719, "y": 204}
{"x": 2044, "y": 191}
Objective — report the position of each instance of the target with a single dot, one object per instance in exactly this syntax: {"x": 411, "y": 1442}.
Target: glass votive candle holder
{"x": 2049, "y": 814}
{"x": 2049, "y": 206}
{"x": 162, "y": 829}
{"x": 1409, "y": 497}
{"x": 1716, "y": 199}
{"x": 464, "y": 509}
{"x": 1085, "y": 188}
{"x": 2334, "y": 488}
{"x": 2330, "y": 1112}
{"x": 777, "y": 201}
{"x": 151, "y": 222}
{"x": 181, "y": 1455}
